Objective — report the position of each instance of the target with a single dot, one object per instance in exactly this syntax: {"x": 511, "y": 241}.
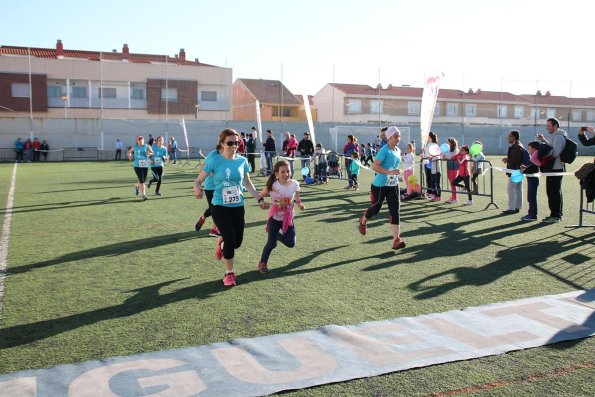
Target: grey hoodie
{"x": 558, "y": 143}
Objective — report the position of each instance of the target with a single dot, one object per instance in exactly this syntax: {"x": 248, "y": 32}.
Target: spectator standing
{"x": 306, "y": 149}
{"x": 269, "y": 151}
{"x": 119, "y": 146}
{"x": 513, "y": 161}
{"x": 28, "y": 150}
{"x": 36, "y": 145}
{"x": 44, "y": 149}
{"x": 553, "y": 184}
{"x": 251, "y": 150}
{"x": 19, "y": 148}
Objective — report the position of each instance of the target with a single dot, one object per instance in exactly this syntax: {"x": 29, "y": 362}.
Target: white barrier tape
{"x": 48, "y": 151}
{"x": 536, "y": 175}
{"x": 297, "y": 158}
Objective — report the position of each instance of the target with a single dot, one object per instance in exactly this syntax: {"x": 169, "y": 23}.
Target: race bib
{"x": 392, "y": 180}
{"x": 143, "y": 163}
{"x": 158, "y": 161}
{"x": 231, "y": 195}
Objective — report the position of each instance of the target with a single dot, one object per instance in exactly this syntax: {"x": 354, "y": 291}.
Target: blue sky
{"x": 520, "y": 45}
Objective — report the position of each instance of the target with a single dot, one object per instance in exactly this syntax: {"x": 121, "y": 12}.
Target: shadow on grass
{"x": 147, "y": 298}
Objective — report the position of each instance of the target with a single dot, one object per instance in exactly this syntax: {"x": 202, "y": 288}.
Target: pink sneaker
{"x": 437, "y": 199}
{"x": 398, "y": 244}
{"x": 215, "y": 232}
{"x": 229, "y": 280}
{"x": 219, "y": 250}
{"x": 263, "y": 268}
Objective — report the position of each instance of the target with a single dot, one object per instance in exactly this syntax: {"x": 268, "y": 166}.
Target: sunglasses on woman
{"x": 232, "y": 143}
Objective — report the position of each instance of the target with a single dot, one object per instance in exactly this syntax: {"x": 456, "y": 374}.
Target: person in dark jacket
{"x": 513, "y": 161}
{"x": 19, "y": 148}
{"x": 306, "y": 149}
{"x": 251, "y": 151}
{"x": 44, "y": 149}
{"x": 269, "y": 151}
{"x": 586, "y": 141}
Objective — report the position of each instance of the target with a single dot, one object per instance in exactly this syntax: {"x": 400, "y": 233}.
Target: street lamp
{"x": 196, "y": 107}
{"x": 65, "y": 98}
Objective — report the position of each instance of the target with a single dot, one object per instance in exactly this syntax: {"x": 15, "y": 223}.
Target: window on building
{"x": 286, "y": 112}
{"x": 577, "y": 115}
{"x": 437, "y": 110}
{"x": 519, "y": 112}
{"x": 413, "y": 108}
{"x": 551, "y": 113}
{"x": 55, "y": 91}
{"x": 535, "y": 113}
{"x": 470, "y": 110}
{"x": 169, "y": 94}
{"x": 20, "y": 90}
{"x": 354, "y": 106}
{"x": 137, "y": 93}
{"x": 590, "y": 115}
{"x": 376, "y": 106}
{"x": 107, "y": 92}
{"x": 452, "y": 109}
{"x": 501, "y": 111}
{"x": 208, "y": 96}
{"x": 78, "y": 92}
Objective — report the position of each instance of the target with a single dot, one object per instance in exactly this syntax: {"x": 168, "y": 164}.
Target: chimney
{"x": 176, "y": 56}
{"x": 538, "y": 93}
{"x": 59, "y": 49}
{"x": 548, "y": 93}
{"x": 470, "y": 91}
{"x": 478, "y": 91}
{"x": 125, "y": 52}
{"x": 390, "y": 86}
{"x": 182, "y": 55}
{"x": 379, "y": 86}
{"x": 196, "y": 60}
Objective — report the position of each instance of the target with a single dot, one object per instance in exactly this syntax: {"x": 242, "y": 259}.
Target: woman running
{"x": 141, "y": 153}
{"x": 284, "y": 191}
{"x": 159, "y": 159}
{"x": 386, "y": 186}
{"x": 230, "y": 172}
{"x": 209, "y": 190}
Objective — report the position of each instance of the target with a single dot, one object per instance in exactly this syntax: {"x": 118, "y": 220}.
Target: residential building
{"x": 94, "y": 84}
{"x": 276, "y": 102}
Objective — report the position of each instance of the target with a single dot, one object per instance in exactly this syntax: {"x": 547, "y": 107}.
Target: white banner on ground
{"x": 309, "y": 117}
{"x": 428, "y": 104}
{"x": 183, "y": 124}
{"x": 258, "y": 121}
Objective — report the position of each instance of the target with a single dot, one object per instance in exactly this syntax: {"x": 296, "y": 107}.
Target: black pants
{"x": 354, "y": 180}
{"x": 379, "y": 194}
{"x": 251, "y": 162}
{"x": 348, "y": 168}
{"x": 157, "y": 176}
{"x": 36, "y": 155}
{"x": 45, "y": 156}
{"x": 553, "y": 187}
{"x": 118, "y": 154}
{"x": 465, "y": 179}
{"x": 230, "y": 222}
{"x": 208, "y": 211}
{"x": 428, "y": 174}
{"x": 141, "y": 173}
{"x": 19, "y": 155}
{"x": 532, "y": 185}
{"x": 436, "y": 184}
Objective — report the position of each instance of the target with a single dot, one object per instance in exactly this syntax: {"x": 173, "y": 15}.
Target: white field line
{"x": 6, "y": 235}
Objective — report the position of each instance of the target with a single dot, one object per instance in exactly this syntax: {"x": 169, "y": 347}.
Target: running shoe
{"x": 451, "y": 201}
{"x": 529, "y": 218}
{"x": 229, "y": 280}
{"x": 149, "y": 184}
{"x": 437, "y": 199}
{"x": 136, "y": 190}
{"x": 157, "y": 194}
{"x": 263, "y": 268}
{"x": 468, "y": 202}
{"x": 215, "y": 232}
{"x": 144, "y": 198}
{"x": 199, "y": 223}
{"x": 219, "y": 250}
{"x": 398, "y": 244}
{"x": 362, "y": 227}
{"x": 551, "y": 219}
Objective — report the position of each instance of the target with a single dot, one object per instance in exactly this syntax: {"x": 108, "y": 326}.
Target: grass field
{"x": 94, "y": 273}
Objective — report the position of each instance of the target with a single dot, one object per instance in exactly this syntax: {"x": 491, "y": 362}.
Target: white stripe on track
{"x": 6, "y": 236}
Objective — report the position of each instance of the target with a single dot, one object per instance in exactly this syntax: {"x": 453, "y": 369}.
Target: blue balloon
{"x": 517, "y": 176}
{"x": 444, "y": 148}
{"x": 305, "y": 171}
{"x": 309, "y": 180}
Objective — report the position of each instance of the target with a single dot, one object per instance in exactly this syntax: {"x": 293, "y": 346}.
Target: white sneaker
{"x": 468, "y": 202}
{"x": 451, "y": 201}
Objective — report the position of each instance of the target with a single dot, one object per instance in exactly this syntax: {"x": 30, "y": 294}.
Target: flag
{"x": 428, "y": 104}
{"x": 258, "y": 121}
{"x": 183, "y": 124}
{"x": 309, "y": 117}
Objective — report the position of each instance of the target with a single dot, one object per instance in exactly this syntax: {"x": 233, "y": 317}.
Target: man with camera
{"x": 585, "y": 140}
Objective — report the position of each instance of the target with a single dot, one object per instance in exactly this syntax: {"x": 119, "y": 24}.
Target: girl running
{"x": 141, "y": 153}
{"x": 386, "y": 186}
{"x": 230, "y": 172}
{"x": 284, "y": 192}
{"x": 452, "y": 167}
{"x": 159, "y": 159}
{"x": 409, "y": 161}
{"x": 209, "y": 190}
{"x": 463, "y": 176}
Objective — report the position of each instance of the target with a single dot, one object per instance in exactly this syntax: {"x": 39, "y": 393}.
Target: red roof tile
{"x": 51, "y": 53}
{"x": 269, "y": 91}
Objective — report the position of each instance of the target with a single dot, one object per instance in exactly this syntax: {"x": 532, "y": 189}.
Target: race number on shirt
{"x": 392, "y": 180}
{"x": 158, "y": 161}
{"x": 231, "y": 195}
{"x": 143, "y": 163}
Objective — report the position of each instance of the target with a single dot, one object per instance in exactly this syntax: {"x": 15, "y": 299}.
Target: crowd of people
{"x": 30, "y": 151}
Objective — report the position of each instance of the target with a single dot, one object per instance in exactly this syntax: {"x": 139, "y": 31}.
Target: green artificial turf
{"x": 94, "y": 273}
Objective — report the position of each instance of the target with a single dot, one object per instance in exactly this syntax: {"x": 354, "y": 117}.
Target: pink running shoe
{"x": 437, "y": 199}
{"x": 199, "y": 223}
{"x": 219, "y": 250}
{"x": 215, "y": 232}
{"x": 229, "y": 280}
{"x": 398, "y": 244}
{"x": 263, "y": 268}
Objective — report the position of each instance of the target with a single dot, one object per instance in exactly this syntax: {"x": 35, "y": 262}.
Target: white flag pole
{"x": 258, "y": 121}
{"x": 428, "y": 104}
{"x": 309, "y": 118}
{"x": 186, "y": 138}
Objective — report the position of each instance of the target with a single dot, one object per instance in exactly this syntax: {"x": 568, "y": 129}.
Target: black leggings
{"x": 230, "y": 222}
{"x": 141, "y": 173}
{"x": 465, "y": 179}
{"x": 391, "y": 194}
{"x": 208, "y": 212}
{"x": 157, "y": 176}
